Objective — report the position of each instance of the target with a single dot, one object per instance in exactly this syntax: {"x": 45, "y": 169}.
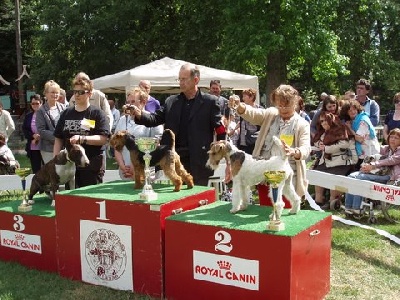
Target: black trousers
{"x": 36, "y": 160}
{"x": 92, "y": 174}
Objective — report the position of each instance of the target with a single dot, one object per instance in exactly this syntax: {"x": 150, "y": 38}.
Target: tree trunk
{"x": 21, "y": 95}
{"x": 276, "y": 72}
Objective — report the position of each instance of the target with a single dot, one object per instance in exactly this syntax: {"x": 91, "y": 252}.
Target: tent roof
{"x": 163, "y": 74}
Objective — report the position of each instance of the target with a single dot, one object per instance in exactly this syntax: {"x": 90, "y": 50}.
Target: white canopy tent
{"x": 163, "y": 75}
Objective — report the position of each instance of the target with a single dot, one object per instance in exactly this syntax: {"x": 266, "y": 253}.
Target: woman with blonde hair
{"x": 47, "y": 117}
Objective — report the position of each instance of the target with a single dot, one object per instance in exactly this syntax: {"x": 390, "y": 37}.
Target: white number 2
{"x": 224, "y": 241}
{"x": 19, "y": 225}
{"x": 102, "y": 212}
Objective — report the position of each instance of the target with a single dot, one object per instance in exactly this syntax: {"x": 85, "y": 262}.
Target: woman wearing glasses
{"x": 282, "y": 121}
{"x": 32, "y": 135}
{"x": 47, "y": 117}
{"x": 392, "y": 119}
{"x": 137, "y": 97}
{"x": 88, "y": 126}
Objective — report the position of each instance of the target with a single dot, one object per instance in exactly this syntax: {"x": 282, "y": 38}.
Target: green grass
{"x": 18, "y": 282}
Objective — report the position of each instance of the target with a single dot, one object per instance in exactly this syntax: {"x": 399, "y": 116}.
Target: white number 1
{"x": 102, "y": 212}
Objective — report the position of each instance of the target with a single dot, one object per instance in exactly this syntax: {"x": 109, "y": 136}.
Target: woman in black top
{"x": 86, "y": 125}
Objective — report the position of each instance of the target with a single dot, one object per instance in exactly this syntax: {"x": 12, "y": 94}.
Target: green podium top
{"x": 255, "y": 218}
{"x": 42, "y": 207}
{"x": 123, "y": 191}
{"x": 115, "y": 190}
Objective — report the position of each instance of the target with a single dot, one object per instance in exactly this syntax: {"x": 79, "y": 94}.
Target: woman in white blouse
{"x": 126, "y": 122}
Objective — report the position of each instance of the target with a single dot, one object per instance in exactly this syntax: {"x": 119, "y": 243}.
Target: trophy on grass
{"x": 22, "y": 173}
{"x": 146, "y": 145}
{"x": 274, "y": 178}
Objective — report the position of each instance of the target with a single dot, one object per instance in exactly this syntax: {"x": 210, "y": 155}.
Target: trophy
{"x": 274, "y": 178}
{"x": 22, "y": 173}
{"x": 146, "y": 145}
{"x": 234, "y": 106}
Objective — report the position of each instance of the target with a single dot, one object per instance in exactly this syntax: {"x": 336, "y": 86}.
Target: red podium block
{"x": 264, "y": 196}
{"x": 29, "y": 238}
{"x": 106, "y": 236}
{"x": 212, "y": 254}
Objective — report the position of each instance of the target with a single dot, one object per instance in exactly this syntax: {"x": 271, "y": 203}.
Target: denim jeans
{"x": 354, "y": 201}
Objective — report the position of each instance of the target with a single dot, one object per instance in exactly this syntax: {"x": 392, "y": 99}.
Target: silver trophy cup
{"x": 23, "y": 173}
{"x": 146, "y": 145}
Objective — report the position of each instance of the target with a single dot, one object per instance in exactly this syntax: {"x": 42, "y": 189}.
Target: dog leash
{"x": 233, "y": 112}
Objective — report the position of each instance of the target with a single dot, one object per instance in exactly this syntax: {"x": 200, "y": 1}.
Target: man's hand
{"x": 234, "y": 101}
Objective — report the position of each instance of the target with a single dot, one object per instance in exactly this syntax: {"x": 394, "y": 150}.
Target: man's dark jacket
{"x": 204, "y": 120}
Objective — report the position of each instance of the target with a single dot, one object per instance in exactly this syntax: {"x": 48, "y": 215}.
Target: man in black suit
{"x": 194, "y": 117}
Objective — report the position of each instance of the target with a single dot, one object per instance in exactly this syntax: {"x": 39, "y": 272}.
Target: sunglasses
{"x": 80, "y": 92}
{"x": 396, "y": 101}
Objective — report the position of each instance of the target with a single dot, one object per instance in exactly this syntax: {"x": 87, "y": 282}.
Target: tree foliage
{"x": 318, "y": 45}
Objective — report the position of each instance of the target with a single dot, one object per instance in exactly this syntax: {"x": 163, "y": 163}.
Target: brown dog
{"x": 60, "y": 170}
{"x": 164, "y": 156}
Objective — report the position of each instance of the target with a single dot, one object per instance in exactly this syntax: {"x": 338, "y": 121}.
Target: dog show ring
{"x": 274, "y": 178}
{"x": 146, "y": 145}
{"x": 22, "y": 173}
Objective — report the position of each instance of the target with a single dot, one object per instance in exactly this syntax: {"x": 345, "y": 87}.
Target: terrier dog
{"x": 60, "y": 170}
{"x": 164, "y": 156}
{"x": 385, "y": 170}
{"x": 247, "y": 171}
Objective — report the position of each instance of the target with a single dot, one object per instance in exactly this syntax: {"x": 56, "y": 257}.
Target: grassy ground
{"x": 364, "y": 265}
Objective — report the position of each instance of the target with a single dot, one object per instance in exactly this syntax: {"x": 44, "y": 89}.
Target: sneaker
{"x": 348, "y": 211}
{"x": 356, "y": 211}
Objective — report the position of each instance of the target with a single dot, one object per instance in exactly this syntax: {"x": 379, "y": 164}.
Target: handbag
{"x": 251, "y": 137}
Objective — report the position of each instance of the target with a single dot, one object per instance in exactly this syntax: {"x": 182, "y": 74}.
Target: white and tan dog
{"x": 247, "y": 171}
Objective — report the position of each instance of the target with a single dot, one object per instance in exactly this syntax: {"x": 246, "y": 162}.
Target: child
{"x": 8, "y": 164}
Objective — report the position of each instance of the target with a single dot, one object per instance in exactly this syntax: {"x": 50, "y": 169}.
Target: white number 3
{"x": 19, "y": 223}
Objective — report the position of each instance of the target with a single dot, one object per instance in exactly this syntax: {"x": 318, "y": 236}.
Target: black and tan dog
{"x": 164, "y": 156}
{"x": 58, "y": 171}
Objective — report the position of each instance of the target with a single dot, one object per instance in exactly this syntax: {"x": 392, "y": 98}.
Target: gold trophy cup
{"x": 146, "y": 145}
{"x": 22, "y": 173}
{"x": 274, "y": 178}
